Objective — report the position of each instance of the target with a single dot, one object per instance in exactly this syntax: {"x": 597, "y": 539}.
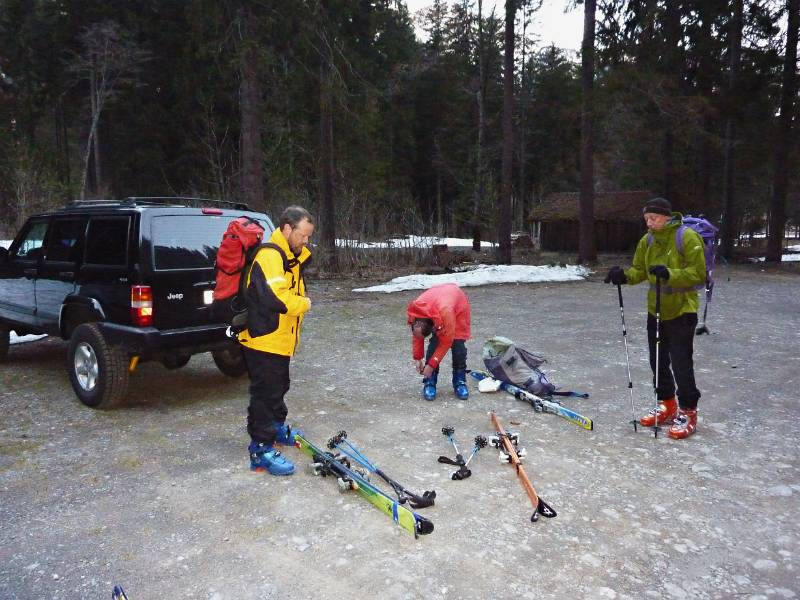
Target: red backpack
{"x": 243, "y": 234}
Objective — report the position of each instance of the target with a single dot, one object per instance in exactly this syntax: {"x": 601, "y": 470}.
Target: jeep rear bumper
{"x": 147, "y": 340}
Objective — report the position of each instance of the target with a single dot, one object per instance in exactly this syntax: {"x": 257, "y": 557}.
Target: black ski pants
{"x": 676, "y": 365}
{"x": 458, "y": 352}
{"x": 269, "y": 382}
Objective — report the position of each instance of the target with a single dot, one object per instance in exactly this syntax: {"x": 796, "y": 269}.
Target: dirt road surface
{"x": 157, "y": 495}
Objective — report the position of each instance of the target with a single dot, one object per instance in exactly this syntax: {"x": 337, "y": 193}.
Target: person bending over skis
{"x": 681, "y": 272}
{"x": 442, "y": 312}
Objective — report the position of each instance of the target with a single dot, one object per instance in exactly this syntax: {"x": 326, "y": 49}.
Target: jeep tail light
{"x": 141, "y": 305}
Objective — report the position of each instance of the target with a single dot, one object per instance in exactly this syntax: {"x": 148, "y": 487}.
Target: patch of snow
{"x": 413, "y": 241}
{"x": 21, "y": 339}
{"x": 483, "y": 275}
{"x": 784, "y": 258}
{"x": 5, "y": 243}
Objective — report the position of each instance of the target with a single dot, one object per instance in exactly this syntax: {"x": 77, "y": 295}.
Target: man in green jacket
{"x": 674, "y": 254}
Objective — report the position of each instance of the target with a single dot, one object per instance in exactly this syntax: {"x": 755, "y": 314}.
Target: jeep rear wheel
{"x": 97, "y": 371}
{"x": 230, "y": 361}
{"x": 5, "y": 337}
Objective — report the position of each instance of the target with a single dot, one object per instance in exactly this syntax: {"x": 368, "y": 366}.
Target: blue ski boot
{"x": 429, "y": 387}
{"x": 266, "y": 458}
{"x": 284, "y": 434}
{"x": 460, "y": 384}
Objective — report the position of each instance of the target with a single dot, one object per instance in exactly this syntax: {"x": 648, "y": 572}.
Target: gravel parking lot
{"x": 157, "y": 495}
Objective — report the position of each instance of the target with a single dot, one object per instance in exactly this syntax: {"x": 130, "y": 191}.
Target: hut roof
{"x": 608, "y": 206}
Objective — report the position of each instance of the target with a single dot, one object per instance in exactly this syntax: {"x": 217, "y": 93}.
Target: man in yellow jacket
{"x": 674, "y": 254}
{"x": 276, "y": 303}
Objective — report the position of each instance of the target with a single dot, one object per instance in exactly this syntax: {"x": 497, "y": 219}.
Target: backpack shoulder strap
{"x": 679, "y": 238}
{"x": 287, "y": 264}
{"x": 251, "y": 258}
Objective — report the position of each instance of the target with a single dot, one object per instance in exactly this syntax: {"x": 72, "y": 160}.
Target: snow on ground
{"x": 21, "y": 339}
{"x": 784, "y": 258}
{"x": 483, "y": 275}
{"x": 5, "y": 243}
{"x": 413, "y": 241}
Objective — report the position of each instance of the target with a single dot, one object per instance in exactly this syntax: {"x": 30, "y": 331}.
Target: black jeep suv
{"x": 123, "y": 281}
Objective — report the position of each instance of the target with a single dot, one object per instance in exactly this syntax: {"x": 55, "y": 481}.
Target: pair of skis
{"x": 507, "y": 444}
{"x": 539, "y": 404}
{"x": 338, "y": 464}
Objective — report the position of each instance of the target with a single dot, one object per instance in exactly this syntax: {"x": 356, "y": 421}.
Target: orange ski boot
{"x": 667, "y": 411}
{"x": 684, "y": 425}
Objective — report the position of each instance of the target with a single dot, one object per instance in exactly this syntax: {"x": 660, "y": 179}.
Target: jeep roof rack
{"x": 159, "y": 201}
{"x": 182, "y": 201}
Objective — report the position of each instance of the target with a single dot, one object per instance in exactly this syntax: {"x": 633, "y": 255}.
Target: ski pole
{"x": 463, "y": 472}
{"x": 341, "y": 443}
{"x": 658, "y": 348}
{"x": 627, "y": 356}
{"x": 449, "y": 431}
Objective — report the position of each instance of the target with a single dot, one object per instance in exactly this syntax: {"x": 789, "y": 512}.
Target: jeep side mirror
{"x": 3, "y": 255}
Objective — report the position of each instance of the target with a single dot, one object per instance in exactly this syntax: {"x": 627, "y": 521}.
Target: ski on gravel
{"x": 507, "y": 443}
{"x": 342, "y": 444}
{"x": 539, "y": 404}
{"x": 326, "y": 463}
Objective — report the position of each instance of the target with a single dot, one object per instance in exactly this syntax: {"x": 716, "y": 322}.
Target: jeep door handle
{"x": 66, "y": 273}
{"x": 29, "y": 272}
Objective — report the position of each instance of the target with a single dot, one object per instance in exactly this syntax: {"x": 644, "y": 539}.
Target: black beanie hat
{"x": 659, "y": 206}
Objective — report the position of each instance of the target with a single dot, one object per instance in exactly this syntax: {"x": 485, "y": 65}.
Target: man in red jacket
{"x": 443, "y": 311}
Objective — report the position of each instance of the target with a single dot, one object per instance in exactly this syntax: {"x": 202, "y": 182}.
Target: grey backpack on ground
{"x": 512, "y": 364}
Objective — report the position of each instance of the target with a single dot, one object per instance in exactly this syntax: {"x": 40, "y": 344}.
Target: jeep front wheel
{"x": 98, "y": 372}
{"x": 230, "y": 361}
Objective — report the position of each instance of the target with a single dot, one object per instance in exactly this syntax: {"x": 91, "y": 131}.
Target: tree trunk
{"x": 705, "y": 87}
{"x": 783, "y": 145}
{"x": 250, "y": 107}
{"x": 587, "y": 252}
{"x": 523, "y": 113}
{"x": 729, "y": 216}
{"x": 672, "y": 27}
{"x": 504, "y": 226}
{"x": 480, "y": 95}
{"x": 327, "y": 169}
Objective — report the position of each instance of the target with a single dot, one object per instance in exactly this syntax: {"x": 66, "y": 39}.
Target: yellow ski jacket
{"x": 276, "y": 300}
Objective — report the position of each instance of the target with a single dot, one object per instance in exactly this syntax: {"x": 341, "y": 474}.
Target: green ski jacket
{"x": 687, "y": 268}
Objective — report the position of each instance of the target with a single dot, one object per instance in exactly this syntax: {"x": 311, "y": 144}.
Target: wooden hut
{"x": 618, "y": 223}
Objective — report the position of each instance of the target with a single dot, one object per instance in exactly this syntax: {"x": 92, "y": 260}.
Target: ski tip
{"x": 423, "y": 526}
{"x": 545, "y": 510}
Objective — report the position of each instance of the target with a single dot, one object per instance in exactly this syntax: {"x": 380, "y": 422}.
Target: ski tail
{"x": 569, "y": 415}
{"x": 118, "y": 593}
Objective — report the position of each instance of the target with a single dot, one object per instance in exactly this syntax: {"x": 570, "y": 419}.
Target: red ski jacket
{"x": 448, "y": 307}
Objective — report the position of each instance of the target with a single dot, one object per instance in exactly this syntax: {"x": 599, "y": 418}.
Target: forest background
{"x": 339, "y": 106}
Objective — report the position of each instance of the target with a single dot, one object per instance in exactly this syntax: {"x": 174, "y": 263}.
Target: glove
{"x": 660, "y": 271}
{"x": 616, "y": 275}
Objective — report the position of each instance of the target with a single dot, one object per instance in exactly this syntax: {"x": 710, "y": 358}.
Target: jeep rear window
{"x": 107, "y": 241}
{"x": 189, "y": 241}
